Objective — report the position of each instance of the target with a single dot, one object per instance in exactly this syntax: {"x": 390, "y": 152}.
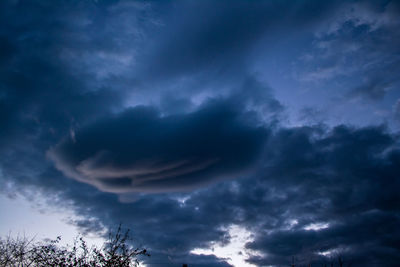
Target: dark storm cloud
{"x": 42, "y": 96}
{"x": 352, "y": 238}
{"x": 140, "y": 151}
{"x": 70, "y": 70}
{"x": 40, "y": 91}
{"x": 344, "y": 179}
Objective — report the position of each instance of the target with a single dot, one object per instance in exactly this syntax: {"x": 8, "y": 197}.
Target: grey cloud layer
{"x": 360, "y": 40}
{"x": 73, "y": 76}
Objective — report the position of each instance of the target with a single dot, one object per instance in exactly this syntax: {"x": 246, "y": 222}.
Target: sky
{"x": 221, "y": 133}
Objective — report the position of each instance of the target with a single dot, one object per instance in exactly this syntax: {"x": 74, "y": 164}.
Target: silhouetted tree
{"x": 23, "y": 252}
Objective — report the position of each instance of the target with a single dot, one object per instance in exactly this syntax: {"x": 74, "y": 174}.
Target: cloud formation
{"x": 176, "y": 119}
{"x": 140, "y": 151}
{"x": 344, "y": 179}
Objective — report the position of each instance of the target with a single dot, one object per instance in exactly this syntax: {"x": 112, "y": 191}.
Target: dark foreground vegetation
{"x": 23, "y": 252}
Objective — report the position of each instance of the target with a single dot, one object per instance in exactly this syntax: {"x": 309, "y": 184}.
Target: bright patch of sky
{"x": 234, "y": 252}
{"x": 316, "y": 226}
{"x": 20, "y": 217}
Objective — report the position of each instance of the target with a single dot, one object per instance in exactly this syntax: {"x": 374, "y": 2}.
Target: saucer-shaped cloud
{"x": 141, "y": 151}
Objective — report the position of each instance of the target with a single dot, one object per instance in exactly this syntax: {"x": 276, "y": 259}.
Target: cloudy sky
{"x": 222, "y": 133}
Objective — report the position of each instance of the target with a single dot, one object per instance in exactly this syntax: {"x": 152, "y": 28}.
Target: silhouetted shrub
{"x": 23, "y": 252}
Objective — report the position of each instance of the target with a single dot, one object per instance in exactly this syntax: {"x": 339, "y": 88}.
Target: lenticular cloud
{"x": 140, "y": 151}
